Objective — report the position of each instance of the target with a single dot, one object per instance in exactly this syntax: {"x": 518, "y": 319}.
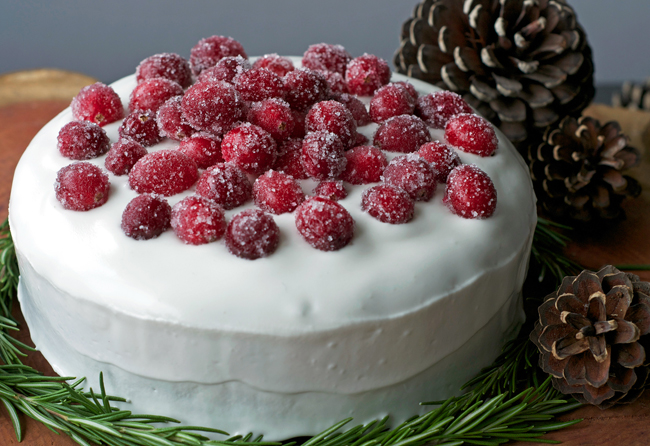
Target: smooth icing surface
{"x": 293, "y": 329}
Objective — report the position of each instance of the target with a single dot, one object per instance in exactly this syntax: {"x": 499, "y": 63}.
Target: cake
{"x": 285, "y": 345}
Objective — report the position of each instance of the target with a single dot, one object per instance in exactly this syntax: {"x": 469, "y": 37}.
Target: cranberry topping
{"x": 226, "y": 184}
{"x": 151, "y": 94}
{"x": 146, "y": 217}
{"x": 252, "y": 234}
{"x": 391, "y": 100}
{"x": 212, "y": 106}
{"x": 438, "y": 107}
{"x": 365, "y": 74}
{"x": 277, "y": 192}
{"x": 290, "y": 159}
{"x": 141, "y": 126}
{"x": 335, "y": 81}
{"x": 82, "y": 140}
{"x": 356, "y": 107}
{"x": 299, "y": 128}
{"x": 277, "y": 64}
{"x": 388, "y": 204}
{"x": 258, "y": 84}
{"x": 304, "y": 88}
{"x": 409, "y": 88}
{"x": 324, "y": 224}
{"x": 332, "y": 189}
{"x": 207, "y": 52}
{"x": 170, "y": 120}
{"x": 413, "y": 175}
{"x": 81, "y": 186}
{"x": 167, "y": 65}
{"x": 97, "y": 103}
{"x": 470, "y": 192}
{"x": 275, "y": 116}
{"x": 442, "y": 157}
{"x": 332, "y": 117}
{"x": 123, "y": 156}
{"x": 323, "y": 155}
{"x": 197, "y": 220}
{"x": 404, "y": 133}
{"x": 250, "y": 147}
{"x": 360, "y": 140}
{"x": 365, "y": 165}
{"x": 165, "y": 172}
{"x": 203, "y": 148}
{"x": 226, "y": 70}
{"x": 471, "y": 134}
{"x": 326, "y": 57}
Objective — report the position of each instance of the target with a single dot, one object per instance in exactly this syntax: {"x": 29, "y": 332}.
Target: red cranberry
{"x": 326, "y": 57}
{"x": 82, "y": 140}
{"x": 226, "y": 184}
{"x": 332, "y": 189}
{"x": 360, "y": 140}
{"x": 97, "y": 103}
{"x": 252, "y": 234}
{"x": 258, "y": 84}
{"x": 212, "y": 106}
{"x": 324, "y": 224}
{"x": 442, "y": 157}
{"x": 170, "y": 120}
{"x": 405, "y": 134}
{"x": 151, "y": 94}
{"x": 123, "y": 156}
{"x": 299, "y": 128}
{"x": 304, "y": 88}
{"x": 365, "y": 74}
{"x": 277, "y": 192}
{"x": 391, "y": 100}
{"x": 356, "y": 107}
{"x": 413, "y": 175}
{"x": 165, "y": 172}
{"x": 388, "y": 204}
{"x": 323, "y": 155}
{"x": 141, "y": 126}
{"x": 226, "y": 70}
{"x": 277, "y": 64}
{"x": 438, "y": 107}
{"x": 470, "y": 192}
{"x": 168, "y": 65}
{"x": 290, "y": 159}
{"x": 203, "y": 148}
{"x": 197, "y": 220}
{"x": 471, "y": 134}
{"x": 250, "y": 147}
{"x": 409, "y": 88}
{"x": 332, "y": 117}
{"x": 81, "y": 186}
{"x": 211, "y": 50}
{"x": 335, "y": 81}
{"x": 365, "y": 165}
{"x": 275, "y": 116}
{"x": 146, "y": 217}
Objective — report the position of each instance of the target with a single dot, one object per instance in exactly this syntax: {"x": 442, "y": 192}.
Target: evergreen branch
{"x": 633, "y": 267}
{"x": 547, "y": 251}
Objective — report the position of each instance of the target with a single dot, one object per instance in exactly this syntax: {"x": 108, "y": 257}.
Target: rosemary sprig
{"x": 507, "y": 401}
{"x": 547, "y": 251}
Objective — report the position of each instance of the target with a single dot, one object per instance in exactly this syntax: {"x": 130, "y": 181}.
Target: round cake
{"x": 284, "y": 345}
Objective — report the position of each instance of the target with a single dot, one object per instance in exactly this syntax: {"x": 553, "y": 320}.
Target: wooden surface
{"x": 629, "y": 243}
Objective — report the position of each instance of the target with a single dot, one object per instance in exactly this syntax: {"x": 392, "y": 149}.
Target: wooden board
{"x": 630, "y": 243}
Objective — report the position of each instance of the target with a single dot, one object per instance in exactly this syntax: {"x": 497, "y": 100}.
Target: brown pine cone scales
{"x": 577, "y": 170}
{"x": 590, "y": 334}
{"x": 523, "y": 64}
{"x": 633, "y": 96}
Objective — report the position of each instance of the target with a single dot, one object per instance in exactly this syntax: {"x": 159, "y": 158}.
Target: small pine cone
{"x": 524, "y": 65}
{"x": 633, "y": 96}
{"x": 590, "y": 335}
{"x": 576, "y": 170}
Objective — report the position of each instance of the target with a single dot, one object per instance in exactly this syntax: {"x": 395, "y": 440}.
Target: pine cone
{"x": 633, "y": 96}
{"x": 523, "y": 64}
{"x": 590, "y": 334}
{"x": 576, "y": 170}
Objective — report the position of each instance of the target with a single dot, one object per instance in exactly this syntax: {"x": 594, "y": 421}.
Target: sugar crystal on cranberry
{"x": 258, "y": 84}
{"x": 123, "y": 156}
{"x": 227, "y": 69}
{"x": 97, "y": 103}
{"x": 438, "y": 107}
{"x": 82, "y": 140}
{"x": 332, "y": 189}
{"x": 277, "y": 192}
{"x": 365, "y": 165}
{"x": 146, "y": 217}
{"x": 304, "y": 88}
{"x": 252, "y": 234}
{"x": 212, "y": 106}
{"x": 324, "y": 224}
{"x": 470, "y": 192}
{"x": 472, "y": 134}
{"x": 413, "y": 175}
{"x": 326, "y": 57}
{"x": 277, "y": 64}
{"x": 332, "y": 117}
{"x": 165, "y": 172}
{"x": 391, "y": 100}
{"x": 81, "y": 186}
{"x": 167, "y": 65}
{"x": 367, "y": 73}
{"x": 226, "y": 184}
{"x": 141, "y": 126}
{"x": 275, "y": 116}
{"x": 203, "y": 148}
{"x": 289, "y": 160}
{"x": 151, "y": 94}
{"x": 197, "y": 220}
{"x": 442, "y": 157}
{"x": 404, "y": 133}
{"x": 250, "y": 147}
{"x": 170, "y": 120}
{"x": 388, "y": 204}
{"x": 207, "y": 52}
{"x": 356, "y": 107}
{"x": 323, "y": 155}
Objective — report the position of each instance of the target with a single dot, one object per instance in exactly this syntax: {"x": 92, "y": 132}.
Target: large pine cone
{"x": 523, "y": 64}
{"x": 590, "y": 334}
{"x": 633, "y": 96}
{"x": 577, "y": 170}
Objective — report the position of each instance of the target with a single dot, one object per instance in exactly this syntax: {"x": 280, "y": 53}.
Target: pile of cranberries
{"x": 252, "y": 131}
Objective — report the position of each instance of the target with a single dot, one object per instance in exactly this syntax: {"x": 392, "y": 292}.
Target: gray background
{"x": 107, "y": 39}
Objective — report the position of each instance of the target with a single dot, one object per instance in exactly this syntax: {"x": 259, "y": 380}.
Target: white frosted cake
{"x": 285, "y": 345}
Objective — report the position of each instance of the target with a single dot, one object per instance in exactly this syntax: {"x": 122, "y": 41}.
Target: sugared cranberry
{"x": 167, "y": 65}
{"x": 226, "y": 70}
{"x": 197, "y": 220}
{"x": 226, "y": 184}
{"x": 409, "y": 88}
{"x": 203, "y": 148}
{"x": 97, "y": 103}
{"x": 388, "y": 204}
{"x": 299, "y": 128}
{"x": 151, "y": 94}
{"x": 141, "y": 126}
{"x": 332, "y": 117}
{"x": 81, "y": 186}
{"x": 405, "y": 134}
{"x": 332, "y": 189}
{"x": 82, "y": 140}
{"x": 438, "y": 107}
{"x": 277, "y": 192}
{"x": 365, "y": 165}
{"x": 413, "y": 175}
{"x": 304, "y": 88}
{"x": 250, "y": 147}
{"x": 470, "y": 192}
{"x": 211, "y": 50}
{"x": 252, "y": 234}
{"x": 170, "y": 120}
{"x": 289, "y": 160}
{"x": 360, "y": 140}
{"x": 277, "y": 64}
{"x": 442, "y": 157}
{"x": 123, "y": 156}
{"x": 391, "y": 100}
{"x": 324, "y": 224}
{"x": 258, "y": 84}
{"x": 323, "y": 155}
{"x": 275, "y": 116}
{"x": 146, "y": 217}
{"x": 165, "y": 172}
{"x": 327, "y": 57}
{"x": 365, "y": 74}
{"x": 356, "y": 107}
{"x": 335, "y": 81}
{"x": 212, "y": 106}
{"x": 471, "y": 134}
